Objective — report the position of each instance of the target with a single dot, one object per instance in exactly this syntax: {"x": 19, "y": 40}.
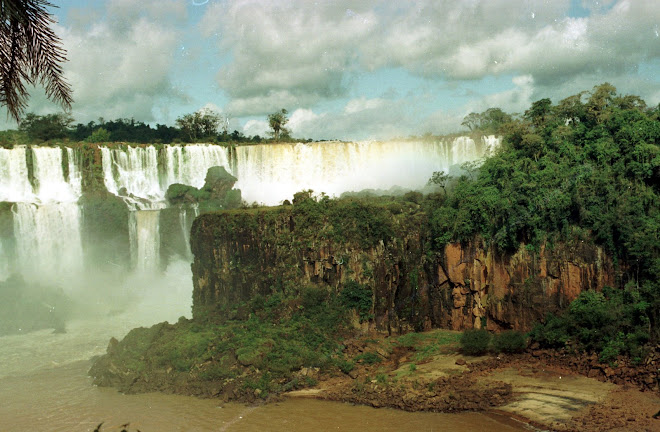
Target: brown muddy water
{"x": 44, "y": 387}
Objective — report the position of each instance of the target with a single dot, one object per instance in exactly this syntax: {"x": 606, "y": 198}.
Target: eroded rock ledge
{"x": 239, "y": 254}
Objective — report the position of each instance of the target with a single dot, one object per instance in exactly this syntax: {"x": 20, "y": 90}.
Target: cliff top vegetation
{"x": 586, "y": 167}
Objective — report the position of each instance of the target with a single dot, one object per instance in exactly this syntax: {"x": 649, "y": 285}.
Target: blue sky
{"x": 348, "y": 69}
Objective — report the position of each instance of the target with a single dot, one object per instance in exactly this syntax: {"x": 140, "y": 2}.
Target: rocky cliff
{"x": 387, "y": 249}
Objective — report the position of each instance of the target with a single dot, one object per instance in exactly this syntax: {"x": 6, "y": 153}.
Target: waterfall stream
{"x": 45, "y": 242}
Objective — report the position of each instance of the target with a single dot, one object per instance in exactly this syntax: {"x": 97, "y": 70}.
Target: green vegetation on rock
{"x": 587, "y": 167}
{"x": 262, "y": 347}
{"x": 612, "y": 323}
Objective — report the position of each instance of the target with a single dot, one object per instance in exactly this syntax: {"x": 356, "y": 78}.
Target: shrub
{"x": 358, "y": 297}
{"x": 612, "y": 323}
{"x": 369, "y": 358}
{"x": 553, "y": 333}
{"x": 475, "y": 342}
{"x": 510, "y": 341}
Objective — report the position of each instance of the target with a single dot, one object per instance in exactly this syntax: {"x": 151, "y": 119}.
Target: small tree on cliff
{"x": 202, "y": 124}
{"x": 276, "y": 121}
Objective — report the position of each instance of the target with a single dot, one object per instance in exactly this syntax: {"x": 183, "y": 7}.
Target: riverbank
{"x": 541, "y": 389}
{"x": 425, "y": 372}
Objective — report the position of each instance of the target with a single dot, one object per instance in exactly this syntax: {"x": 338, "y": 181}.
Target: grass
{"x": 429, "y": 344}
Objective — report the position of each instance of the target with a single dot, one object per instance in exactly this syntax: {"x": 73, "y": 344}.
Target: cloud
{"x": 256, "y": 127}
{"x": 298, "y": 53}
{"x": 360, "y": 118}
{"x": 119, "y": 65}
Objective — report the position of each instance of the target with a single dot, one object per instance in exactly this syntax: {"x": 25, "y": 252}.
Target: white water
{"x": 48, "y": 243}
{"x": 14, "y": 182}
{"x": 145, "y": 240}
{"x": 271, "y": 173}
{"x": 134, "y": 169}
{"x": 185, "y": 221}
{"x": 52, "y": 186}
{"x": 188, "y": 165}
{"x": 46, "y": 216}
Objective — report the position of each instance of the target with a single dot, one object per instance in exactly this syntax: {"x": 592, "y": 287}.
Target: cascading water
{"x": 271, "y": 173}
{"x": 186, "y": 222}
{"x": 145, "y": 243}
{"x": 267, "y": 174}
{"x": 188, "y": 165}
{"x": 46, "y": 217}
{"x": 51, "y": 185}
{"x": 132, "y": 172}
{"x": 14, "y": 181}
{"x": 48, "y": 242}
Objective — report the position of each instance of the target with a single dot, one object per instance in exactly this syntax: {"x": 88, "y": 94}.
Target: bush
{"x": 475, "y": 342}
{"x": 510, "y": 341}
{"x": 612, "y": 323}
{"x": 369, "y": 358}
{"x": 358, "y": 297}
{"x": 552, "y": 333}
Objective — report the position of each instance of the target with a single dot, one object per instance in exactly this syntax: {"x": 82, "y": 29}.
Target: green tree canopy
{"x": 49, "y": 126}
{"x": 201, "y": 124}
{"x": 276, "y": 121}
{"x": 588, "y": 166}
{"x": 489, "y": 121}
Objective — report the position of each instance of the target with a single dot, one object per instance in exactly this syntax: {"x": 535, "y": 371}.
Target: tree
{"x": 98, "y": 136}
{"x": 539, "y": 112}
{"x": 276, "y": 121}
{"x": 200, "y": 124}
{"x": 439, "y": 178}
{"x": 489, "y": 121}
{"x": 472, "y": 121}
{"x": 50, "y": 126}
{"x": 30, "y": 53}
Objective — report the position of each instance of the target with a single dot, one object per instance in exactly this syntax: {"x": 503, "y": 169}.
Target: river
{"x": 44, "y": 387}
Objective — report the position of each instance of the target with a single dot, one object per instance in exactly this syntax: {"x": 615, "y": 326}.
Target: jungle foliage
{"x": 586, "y": 167}
{"x": 261, "y": 344}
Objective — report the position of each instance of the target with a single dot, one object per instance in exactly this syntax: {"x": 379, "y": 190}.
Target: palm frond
{"x": 30, "y": 53}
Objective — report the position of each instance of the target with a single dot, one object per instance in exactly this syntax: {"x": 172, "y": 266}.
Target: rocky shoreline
{"x": 547, "y": 389}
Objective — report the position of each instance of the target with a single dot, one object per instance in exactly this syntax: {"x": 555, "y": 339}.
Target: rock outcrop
{"x": 240, "y": 254}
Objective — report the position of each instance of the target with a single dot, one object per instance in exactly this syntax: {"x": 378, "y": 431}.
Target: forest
{"x": 587, "y": 167}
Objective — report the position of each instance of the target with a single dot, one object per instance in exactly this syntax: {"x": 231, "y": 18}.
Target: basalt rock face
{"x": 243, "y": 253}
{"x": 478, "y": 287}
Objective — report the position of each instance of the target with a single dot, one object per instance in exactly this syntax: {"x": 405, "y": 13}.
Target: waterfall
{"x": 145, "y": 240}
{"x": 132, "y": 172}
{"x": 48, "y": 243}
{"x": 44, "y": 221}
{"x": 490, "y": 143}
{"x": 186, "y": 223}
{"x": 188, "y": 165}
{"x": 271, "y": 173}
{"x": 14, "y": 181}
{"x": 49, "y": 176}
{"x": 46, "y": 216}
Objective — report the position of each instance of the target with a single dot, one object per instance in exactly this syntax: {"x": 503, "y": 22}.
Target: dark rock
{"x": 112, "y": 345}
{"x": 218, "y": 182}
{"x": 595, "y": 373}
{"x": 461, "y": 362}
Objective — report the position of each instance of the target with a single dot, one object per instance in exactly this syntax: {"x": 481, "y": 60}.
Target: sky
{"x": 351, "y": 70}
